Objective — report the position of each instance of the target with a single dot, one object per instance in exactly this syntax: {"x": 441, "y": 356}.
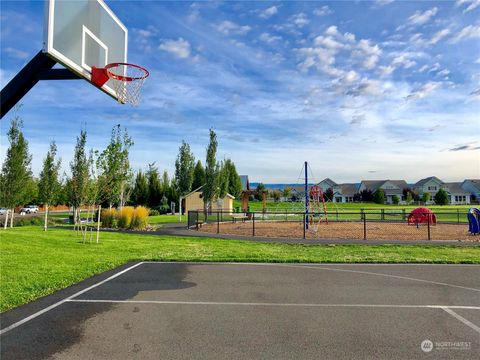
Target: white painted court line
{"x": 322, "y": 267}
{"x": 53, "y": 306}
{"x": 301, "y": 264}
{"x": 168, "y": 302}
{"x": 461, "y": 318}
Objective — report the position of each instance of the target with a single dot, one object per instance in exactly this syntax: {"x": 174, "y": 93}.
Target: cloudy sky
{"x": 360, "y": 89}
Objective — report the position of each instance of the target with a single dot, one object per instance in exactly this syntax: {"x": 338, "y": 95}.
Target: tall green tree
{"x": 49, "y": 185}
{"x": 379, "y": 196}
{"x": 235, "y": 187}
{"x": 211, "y": 172}
{"x": 16, "y": 169}
{"x": 198, "y": 176}
{"x": 425, "y": 197}
{"x": 79, "y": 181}
{"x": 223, "y": 180}
{"x": 260, "y": 190}
{"x": 155, "y": 191}
{"x": 184, "y": 166}
{"x": 140, "y": 190}
{"x": 441, "y": 197}
{"x": 115, "y": 172}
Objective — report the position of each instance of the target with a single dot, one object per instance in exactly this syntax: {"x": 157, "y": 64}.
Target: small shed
{"x": 194, "y": 201}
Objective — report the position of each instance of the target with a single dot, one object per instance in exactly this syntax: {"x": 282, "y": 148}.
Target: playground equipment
{"x": 317, "y": 206}
{"x": 422, "y": 215}
{"x": 473, "y": 216}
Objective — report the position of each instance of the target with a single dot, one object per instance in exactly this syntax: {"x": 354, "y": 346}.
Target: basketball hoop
{"x": 126, "y": 79}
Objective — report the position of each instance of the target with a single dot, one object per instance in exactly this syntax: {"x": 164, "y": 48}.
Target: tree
{"x": 287, "y": 192}
{"x": 395, "y": 199}
{"x": 211, "y": 172}
{"x": 155, "y": 192}
{"x": 379, "y": 196}
{"x": 184, "y": 167}
{"x": 140, "y": 190}
{"x": 49, "y": 184}
{"x": 16, "y": 170}
{"x": 276, "y": 195}
{"x": 198, "y": 176}
{"x": 366, "y": 195}
{"x": 441, "y": 197}
{"x": 115, "y": 173}
{"x": 426, "y": 197}
{"x": 235, "y": 187}
{"x": 79, "y": 167}
{"x": 409, "y": 198}
{"x": 223, "y": 180}
{"x": 260, "y": 190}
{"x": 328, "y": 195}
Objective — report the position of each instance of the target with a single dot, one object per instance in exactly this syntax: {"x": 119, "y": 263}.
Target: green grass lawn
{"x": 35, "y": 263}
{"x": 166, "y": 219}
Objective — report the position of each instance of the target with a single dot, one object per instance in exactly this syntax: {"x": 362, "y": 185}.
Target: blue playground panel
{"x": 474, "y": 220}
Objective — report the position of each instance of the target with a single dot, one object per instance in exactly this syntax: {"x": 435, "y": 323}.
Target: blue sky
{"x": 361, "y": 90}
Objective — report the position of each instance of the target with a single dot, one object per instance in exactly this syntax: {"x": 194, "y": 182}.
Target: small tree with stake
{"x": 441, "y": 197}
{"x": 211, "y": 173}
{"x": 49, "y": 185}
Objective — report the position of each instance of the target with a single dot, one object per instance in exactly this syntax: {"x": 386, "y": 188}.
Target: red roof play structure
{"x": 422, "y": 215}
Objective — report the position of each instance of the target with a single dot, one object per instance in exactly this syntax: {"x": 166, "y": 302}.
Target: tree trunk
{"x": 6, "y": 219}
{"x": 11, "y": 218}
{"x": 46, "y": 218}
{"x": 99, "y": 219}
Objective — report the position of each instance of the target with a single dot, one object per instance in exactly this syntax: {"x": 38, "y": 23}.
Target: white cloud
{"x": 423, "y": 91}
{"x": 15, "y": 53}
{"x": 227, "y": 27}
{"x": 386, "y": 70}
{"x": 322, "y": 11}
{"x": 179, "y": 48}
{"x": 444, "y": 73}
{"x": 404, "y": 61}
{"x": 420, "y": 18}
{"x": 468, "y": 32}
{"x": 383, "y": 2}
{"x": 268, "y": 38}
{"x": 272, "y": 10}
{"x": 300, "y": 20}
{"x": 471, "y": 4}
{"x": 439, "y": 35}
{"x": 370, "y": 52}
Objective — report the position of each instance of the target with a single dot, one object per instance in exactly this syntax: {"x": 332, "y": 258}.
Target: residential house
{"x": 341, "y": 192}
{"x": 472, "y": 186}
{"x": 456, "y": 194}
{"x": 429, "y": 185}
{"x": 391, "y": 188}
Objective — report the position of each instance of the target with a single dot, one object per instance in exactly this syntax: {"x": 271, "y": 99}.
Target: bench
{"x": 236, "y": 217}
{"x": 198, "y": 223}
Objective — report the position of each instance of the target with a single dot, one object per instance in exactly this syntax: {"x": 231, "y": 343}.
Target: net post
{"x": 304, "y": 226}
{"x": 428, "y": 225}
{"x": 253, "y": 222}
{"x": 364, "y": 225}
{"x": 218, "y": 222}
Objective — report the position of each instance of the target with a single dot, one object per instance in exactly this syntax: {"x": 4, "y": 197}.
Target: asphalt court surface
{"x": 269, "y": 311}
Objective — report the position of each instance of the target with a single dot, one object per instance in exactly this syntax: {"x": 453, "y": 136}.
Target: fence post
{"x": 336, "y": 212}
{"x": 364, "y": 226}
{"x": 286, "y": 215}
{"x": 218, "y": 222}
{"x": 428, "y": 225}
{"x": 383, "y": 214}
{"x": 253, "y": 222}
{"x": 304, "y": 226}
{"x": 361, "y": 214}
{"x": 403, "y": 214}
{"x": 196, "y": 222}
{"x": 458, "y": 216}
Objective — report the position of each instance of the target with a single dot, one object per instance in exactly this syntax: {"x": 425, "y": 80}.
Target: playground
{"x": 348, "y": 230}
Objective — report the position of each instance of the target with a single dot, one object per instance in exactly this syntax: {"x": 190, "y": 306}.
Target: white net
{"x": 127, "y": 81}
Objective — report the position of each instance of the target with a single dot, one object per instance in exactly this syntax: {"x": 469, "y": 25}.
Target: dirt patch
{"x": 345, "y": 230}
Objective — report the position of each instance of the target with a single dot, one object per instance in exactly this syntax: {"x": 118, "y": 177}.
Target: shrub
{"x": 379, "y": 196}
{"x": 109, "y": 218}
{"x": 29, "y": 221}
{"x": 125, "y": 216}
{"x": 441, "y": 197}
{"x": 140, "y": 218}
{"x": 395, "y": 199}
{"x": 154, "y": 212}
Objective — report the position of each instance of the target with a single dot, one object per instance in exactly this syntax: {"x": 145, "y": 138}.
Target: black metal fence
{"x": 379, "y": 224}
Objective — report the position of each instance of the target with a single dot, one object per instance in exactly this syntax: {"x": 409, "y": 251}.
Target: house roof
{"x": 475, "y": 182}
{"x": 348, "y": 189}
{"x": 329, "y": 181}
{"x": 373, "y": 185}
{"x": 455, "y": 188}
{"x": 424, "y": 181}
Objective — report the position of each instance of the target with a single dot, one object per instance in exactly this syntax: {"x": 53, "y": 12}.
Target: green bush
{"x": 140, "y": 218}
{"x": 395, "y": 199}
{"x": 441, "y": 197}
{"x": 29, "y": 221}
{"x": 154, "y": 212}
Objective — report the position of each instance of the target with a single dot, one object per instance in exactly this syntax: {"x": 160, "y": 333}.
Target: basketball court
{"x": 154, "y": 310}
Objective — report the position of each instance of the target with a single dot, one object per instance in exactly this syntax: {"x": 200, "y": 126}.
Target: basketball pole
{"x": 306, "y": 195}
{"x": 39, "y": 68}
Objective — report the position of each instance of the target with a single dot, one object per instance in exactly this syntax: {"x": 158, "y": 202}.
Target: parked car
{"x": 29, "y": 209}
{"x": 3, "y": 211}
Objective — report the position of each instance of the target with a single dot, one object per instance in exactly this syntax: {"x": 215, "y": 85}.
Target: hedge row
{"x": 125, "y": 218}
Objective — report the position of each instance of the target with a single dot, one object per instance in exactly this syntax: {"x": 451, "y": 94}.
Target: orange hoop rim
{"x": 114, "y": 76}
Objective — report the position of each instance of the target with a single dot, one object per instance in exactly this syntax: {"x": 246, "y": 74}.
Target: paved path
{"x": 154, "y": 310}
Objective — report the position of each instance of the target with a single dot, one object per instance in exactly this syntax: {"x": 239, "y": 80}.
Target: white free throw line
{"x": 167, "y": 302}
{"x": 53, "y": 306}
{"x": 462, "y": 319}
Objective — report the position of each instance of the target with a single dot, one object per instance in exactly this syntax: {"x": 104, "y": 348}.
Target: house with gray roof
{"x": 390, "y": 187}
{"x": 457, "y": 195}
{"x": 429, "y": 185}
{"x": 472, "y": 186}
{"x": 342, "y": 193}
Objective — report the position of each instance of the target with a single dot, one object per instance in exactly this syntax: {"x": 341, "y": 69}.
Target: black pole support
{"x": 39, "y": 68}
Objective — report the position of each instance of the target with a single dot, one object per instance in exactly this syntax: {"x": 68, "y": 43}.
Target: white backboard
{"x": 80, "y": 34}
